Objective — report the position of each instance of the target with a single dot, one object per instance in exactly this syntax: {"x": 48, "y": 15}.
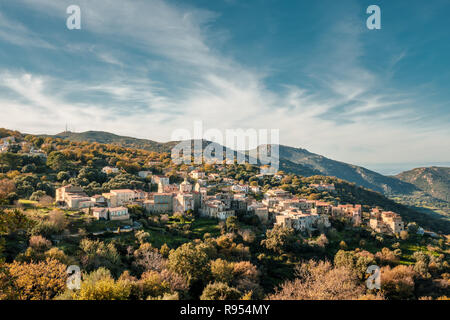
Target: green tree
{"x": 279, "y": 239}
{"x": 58, "y": 161}
{"x": 222, "y": 270}
{"x": 189, "y": 261}
{"x": 100, "y": 285}
{"x": 232, "y": 223}
{"x": 220, "y": 291}
{"x": 39, "y": 281}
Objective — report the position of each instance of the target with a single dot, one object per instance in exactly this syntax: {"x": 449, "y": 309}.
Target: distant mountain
{"x": 295, "y": 160}
{"x": 303, "y": 162}
{"x": 299, "y": 160}
{"x": 433, "y": 180}
{"x": 129, "y": 142}
{"x": 110, "y": 138}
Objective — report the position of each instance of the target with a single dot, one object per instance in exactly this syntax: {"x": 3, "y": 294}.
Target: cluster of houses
{"x": 108, "y": 206}
{"x": 386, "y": 221}
{"x": 323, "y": 187}
{"x": 277, "y": 207}
{"x": 6, "y": 143}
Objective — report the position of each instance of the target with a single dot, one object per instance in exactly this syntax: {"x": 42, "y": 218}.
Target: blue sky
{"x": 309, "y": 68}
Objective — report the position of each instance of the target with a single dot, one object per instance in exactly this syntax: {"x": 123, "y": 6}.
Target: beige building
{"x": 277, "y": 193}
{"x": 185, "y": 187}
{"x": 216, "y": 209}
{"x": 301, "y": 221}
{"x": 156, "y": 179}
{"x": 73, "y": 197}
{"x": 160, "y": 203}
{"x": 117, "y": 198}
{"x": 261, "y": 211}
{"x": 196, "y": 174}
{"x": 110, "y": 170}
{"x": 118, "y": 213}
{"x": 100, "y": 213}
{"x": 350, "y": 211}
{"x": 168, "y": 188}
{"x": 386, "y": 222}
{"x": 144, "y": 174}
{"x": 183, "y": 202}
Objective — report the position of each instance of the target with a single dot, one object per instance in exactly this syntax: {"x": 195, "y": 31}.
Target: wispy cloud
{"x": 160, "y": 70}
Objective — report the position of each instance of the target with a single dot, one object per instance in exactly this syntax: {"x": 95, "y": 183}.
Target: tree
{"x": 355, "y": 261}
{"x": 58, "y": 161}
{"x": 279, "y": 239}
{"x": 12, "y": 221}
{"x": 8, "y": 290}
{"x": 189, "y": 261}
{"x": 142, "y": 236}
{"x": 220, "y": 291}
{"x": 232, "y": 223}
{"x": 412, "y": 227}
{"x": 148, "y": 258}
{"x": 320, "y": 281}
{"x": 222, "y": 270}
{"x": 100, "y": 285}
{"x": 37, "y": 195}
{"x": 246, "y": 278}
{"x": 58, "y": 219}
{"x": 7, "y": 191}
{"x": 386, "y": 256}
{"x": 153, "y": 284}
{"x": 63, "y": 175}
{"x": 398, "y": 283}
{"x": 95, "y": 254}
{"x": 38, "y": 281}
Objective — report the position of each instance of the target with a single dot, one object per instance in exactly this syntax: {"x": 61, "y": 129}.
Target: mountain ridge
{"x": 295, "y": 160}
{"x": 433, "y": 180}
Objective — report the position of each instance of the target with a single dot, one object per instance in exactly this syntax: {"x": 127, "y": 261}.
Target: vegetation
{"x": 187, "y": 256}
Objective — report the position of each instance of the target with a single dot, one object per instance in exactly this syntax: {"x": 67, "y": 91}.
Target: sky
{"x": 310, "y": 68}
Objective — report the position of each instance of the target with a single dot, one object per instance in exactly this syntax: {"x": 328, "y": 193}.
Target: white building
{"x": 216, "y": 209}
{"x": 240, "y": 188}
{"x": 110, "y": 170}
{"x": 160, "y": 179}
{"x": 185, "y": 187}
{"x": 144, "y": 174}
{"x": 196, "y": 174}
{"x": 301, "y": 221}
{"x": 118, "y": 213}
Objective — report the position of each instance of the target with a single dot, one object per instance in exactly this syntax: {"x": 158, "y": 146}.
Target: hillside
{"x": 110, "y": 138}
{"x": 433, "y": 180}
{"x": 321, "y": 165}
{"x": 295, "y": 160}
{"x": 347, "y": 192}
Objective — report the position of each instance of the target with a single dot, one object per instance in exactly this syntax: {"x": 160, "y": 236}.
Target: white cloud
{"x": 215, "y": 89}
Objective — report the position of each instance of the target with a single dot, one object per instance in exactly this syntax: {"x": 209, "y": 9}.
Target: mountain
{"x": 318, "y": 164}
{"x": 303, "y": 162}
{"x": 295, "y": 160}
{"x": 110, "y": 138}
{"x": 433, "y": 180}
{"x": 129, "y": 142}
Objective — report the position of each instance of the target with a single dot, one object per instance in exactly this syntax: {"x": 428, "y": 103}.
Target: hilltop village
{"x": 141, "y": 227}
{"x": 277, "y": 207}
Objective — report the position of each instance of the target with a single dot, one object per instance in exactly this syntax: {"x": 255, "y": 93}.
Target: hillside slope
{"x": 295, "y": 160}
{"x": 358, "y": 175}
{"x": 433, "y": 180}
{"x": 110, "y": 138}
